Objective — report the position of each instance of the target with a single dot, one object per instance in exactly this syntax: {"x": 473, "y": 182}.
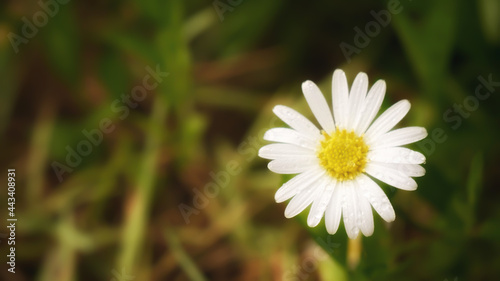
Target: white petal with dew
{"x": 320, "y": 202}
{"x": 296, "y": 184}
{"x": 290, "y": 136}
{"x": 391, "y": 176}
{"x": 296, "y": 120}
{"x": 371, "y": 106}
{"x": 377, "y": 198}
{"x": 398, "y": 155}
{"x": 318, "y": 105}
{"x": 282, "y": 150}
{"x": 387, "y": 120}
{"x": 411, "y": 170}
{"x": 340, "y": 98}
{"x": 400, "y": 137}
{"x": 365, "y": 215}
{"x": 333, "y": 211}
{"x": 303, "y": 199}
{"x": 294, "y": 164}
{"x": 357, "y": 99}
{"x": 350, "y": 209}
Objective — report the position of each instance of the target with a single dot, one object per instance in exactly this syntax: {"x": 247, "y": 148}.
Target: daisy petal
{"x": 318, "y": 105}
{"x": 296, "y": 184}
{"x": 377, "y": 198}
{"x": 387, "y": 120}
{"x": 334, "y": 209}
{"x": 290, "y": 136}
{"x": 371, "y": 107}
{"x": 399, "y": 155}
{"x": 293, "y": 165}
{"x": 320, "y": 203}
{"x": 411, "y": 170}
{"x": 296, "y": 120}
{"x": 365, "y": 215}
{"x": 281, "y": 150}
{"x": 391, "y": 176}
{"x": 357, "y": 98}
{"x": 340, "y": 96}
{"x": 300, "y": 201}
{"x": 400, "y": 137}
{"x": 350, "y": 210}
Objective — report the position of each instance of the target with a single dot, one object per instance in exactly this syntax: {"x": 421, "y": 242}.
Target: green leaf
{"x": 175, "y": 57}
{"x": 429, "y": 41}
{"x": 474, "y": 185}
{"x": 489, "y": 11}
{"x": 133, "y": 44}
{"x": 63, "y": 45}
{"x": 116, "y": 79}
{"x": 242, "y": 29}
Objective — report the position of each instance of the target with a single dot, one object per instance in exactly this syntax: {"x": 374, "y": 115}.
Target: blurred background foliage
{"x": 118, "y": 215}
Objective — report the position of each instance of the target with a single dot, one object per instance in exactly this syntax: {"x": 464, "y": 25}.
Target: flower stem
{"x": 354, "y": 248}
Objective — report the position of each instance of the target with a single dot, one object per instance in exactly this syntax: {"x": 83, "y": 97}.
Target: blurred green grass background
{"x": 131, "y": 209}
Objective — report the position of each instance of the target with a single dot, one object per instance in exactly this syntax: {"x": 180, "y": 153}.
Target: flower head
{"x": 336, "y": 164}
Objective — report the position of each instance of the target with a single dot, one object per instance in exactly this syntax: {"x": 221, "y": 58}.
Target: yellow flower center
{"x": 343, "y": 154}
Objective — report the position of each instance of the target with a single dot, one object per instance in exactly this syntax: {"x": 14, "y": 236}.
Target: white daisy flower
{"x": 335, "y": 164}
